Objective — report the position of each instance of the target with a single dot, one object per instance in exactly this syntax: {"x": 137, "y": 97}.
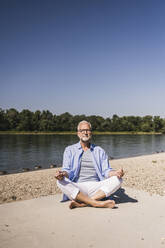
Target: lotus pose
{"x": 86, "y": 176}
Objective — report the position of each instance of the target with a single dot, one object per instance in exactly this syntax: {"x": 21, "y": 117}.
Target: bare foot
{"x": 99, "y": 204}
{"x": 75, "y": 204}
{"x": 107, "y": 204}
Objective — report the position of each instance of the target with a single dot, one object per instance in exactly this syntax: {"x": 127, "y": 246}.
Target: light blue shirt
{"x": 72, "y": 162}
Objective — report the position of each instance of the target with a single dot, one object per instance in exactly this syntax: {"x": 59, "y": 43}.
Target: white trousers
{"x": 89, "y": 188}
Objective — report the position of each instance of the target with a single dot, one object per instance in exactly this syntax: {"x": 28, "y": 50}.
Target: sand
{"x": 145, "y": 173}
{"x": 137, "y": 221}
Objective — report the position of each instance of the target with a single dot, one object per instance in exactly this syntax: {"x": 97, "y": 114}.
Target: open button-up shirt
{"x": 72, "y": 162}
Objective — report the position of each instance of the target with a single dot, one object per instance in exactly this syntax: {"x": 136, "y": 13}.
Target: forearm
{"x": 119, "y": 173}
{"x": 112, "y": 173}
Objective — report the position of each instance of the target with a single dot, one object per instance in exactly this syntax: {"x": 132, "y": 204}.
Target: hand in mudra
{"x": 59, "y": 175}
{"x": 120, "y": 173}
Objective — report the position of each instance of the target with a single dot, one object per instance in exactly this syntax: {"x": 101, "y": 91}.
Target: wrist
{"x": 112, "y": 173}
{"x": 65, "y": 173}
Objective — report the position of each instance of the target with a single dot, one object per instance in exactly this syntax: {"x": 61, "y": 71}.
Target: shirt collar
{"x": 80, "y": 147}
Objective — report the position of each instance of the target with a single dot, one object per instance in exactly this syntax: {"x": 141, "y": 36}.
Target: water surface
{"x": 28, "y": 151}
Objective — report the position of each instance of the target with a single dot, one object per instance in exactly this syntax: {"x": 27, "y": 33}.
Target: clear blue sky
{"x": 93, "y": 57}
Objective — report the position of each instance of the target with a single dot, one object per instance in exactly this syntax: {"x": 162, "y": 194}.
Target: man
{"x": 86, "y": 176}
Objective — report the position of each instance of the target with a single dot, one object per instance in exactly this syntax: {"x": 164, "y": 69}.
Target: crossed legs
{"x": 90, "y": 193}
{"x": 83, "y": 200}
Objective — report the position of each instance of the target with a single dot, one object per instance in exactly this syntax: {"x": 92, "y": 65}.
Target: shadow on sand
{"x": 121, "y": 197}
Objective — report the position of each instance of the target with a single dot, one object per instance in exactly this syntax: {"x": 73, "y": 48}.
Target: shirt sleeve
{"x": 67, "y": 163}
{"x": 105, "y": 165}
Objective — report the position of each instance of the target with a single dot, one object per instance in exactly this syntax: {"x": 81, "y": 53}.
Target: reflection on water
{"x": 27, "y": 151}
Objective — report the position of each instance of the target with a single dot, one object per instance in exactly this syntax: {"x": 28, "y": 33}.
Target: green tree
{"x": 147, "y": 124}
{"x": 12, "y": 115}
{"x": 158, "y": 123}
{"x": 46, "y": 125}
{"x": 103, "y": 125}
{"x": 95, "y": 122}
{"x": 163, "y": 127}
{"x": 46, "y": 122}
{"x": 65, "y": 122}
{"x": 76, "y": 119}
{"x": 25, "y": 120}
{"x": 4, "y": 124}
{"x": 36, "y": 117}
{"x": 116, "y": 123}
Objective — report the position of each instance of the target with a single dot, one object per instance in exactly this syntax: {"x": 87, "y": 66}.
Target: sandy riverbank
{"x": 137, "y": 221}
{"x": 145, "y": 173}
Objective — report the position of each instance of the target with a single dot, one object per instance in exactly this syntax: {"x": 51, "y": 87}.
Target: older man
{"x": 86, "y": 176}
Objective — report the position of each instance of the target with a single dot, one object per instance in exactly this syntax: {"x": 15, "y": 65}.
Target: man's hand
{"x": 119, "y": 173}
{"x": 60, "y": 175}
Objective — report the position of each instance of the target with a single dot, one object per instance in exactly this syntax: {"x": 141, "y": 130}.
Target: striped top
{"x": 87, "y": 170}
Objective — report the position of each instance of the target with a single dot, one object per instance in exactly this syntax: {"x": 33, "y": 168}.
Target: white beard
{"x": 85, "y": 139}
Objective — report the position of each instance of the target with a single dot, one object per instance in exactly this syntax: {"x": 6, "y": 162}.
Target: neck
{"x": 85, "y": 145}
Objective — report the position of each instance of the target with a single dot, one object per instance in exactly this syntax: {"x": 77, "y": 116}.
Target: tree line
{"x": 26, "y": 120}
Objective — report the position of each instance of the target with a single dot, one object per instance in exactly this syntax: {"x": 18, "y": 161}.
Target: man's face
{"x": 84, "y": 133}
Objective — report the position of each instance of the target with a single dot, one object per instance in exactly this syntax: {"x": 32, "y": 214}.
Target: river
{"x": 27, "y": 151}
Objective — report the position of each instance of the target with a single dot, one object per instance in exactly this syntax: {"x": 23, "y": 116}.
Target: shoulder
{"x": 99, "y": 152}
{"x": 73, "y": 147}
{"x": 97, "y": 148}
